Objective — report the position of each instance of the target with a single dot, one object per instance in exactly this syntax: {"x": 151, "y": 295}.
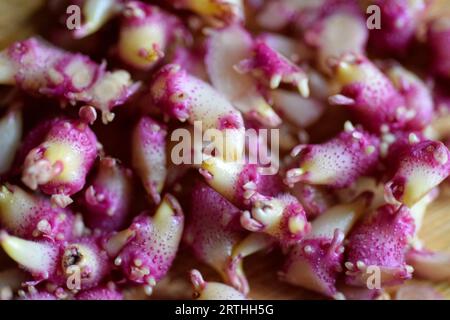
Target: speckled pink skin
{"x": 314, "y": 199}
{"x": 399, "y": 145}
{"x": 418, "y": 110}
{"x": 147, "y": 257}
{"x": 77, "y": 137}
{"x": 101, "y": 293}
{"x": 40, "y": 68}
{"x": 430, "y": 265}
{"x": 380, "y": 240}
{"x": 268, "y": 209}
{"x": 316, "y": 262}
{"x": 137, "y": 16}
{"x": 400, "y": 20}
{"x": 272, "y": 68}
{"x": 268, "y": 185}
{"x": 438, "y": 40}
{"x": 371, "y": 96}
{"x": 321, "y": 261}
{"x": 338, "y": 162}
{"x": 174, "y": 90}
{"x": 149, "y": 155}
{"x": 34, "y": 61}
{"x": 419, "y": 168}
{"x": 108, "y": 197}
{"x": 213, "y": 230}
{"x": 34, "y": 217}
{"x": 187, "y": 98}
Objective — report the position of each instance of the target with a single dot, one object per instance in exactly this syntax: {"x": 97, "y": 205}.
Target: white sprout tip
{"x": 348, "y": 126}
{"x": 412, "y": 138}
{"x": 303, "y": 88}
{"x": 369, "y": 150}
{"x": 275, "y": 81}
{"x": 148, "y": 290}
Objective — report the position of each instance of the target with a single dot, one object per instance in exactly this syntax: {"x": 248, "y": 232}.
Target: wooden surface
{"x": 261, "y": 269}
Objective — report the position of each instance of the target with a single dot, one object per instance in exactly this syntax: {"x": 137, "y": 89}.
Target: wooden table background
{"x": 261, "y": 269}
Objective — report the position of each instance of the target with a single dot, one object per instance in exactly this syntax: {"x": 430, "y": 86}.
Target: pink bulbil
{"x": 320, "y": 262}
{"x": 192, "y": 60}
{"x": 146, "y": 32}
{"x": 361, "y": 293}
{"x": 267, "y": 210}
{"x": 316, "y": 262}
{"x": 59, "y": 163}
{"x": 149, "y": 155}
{"x": 400, "y": 20}
{"x": 379, "y": 244}
{"x": 34, "y": 217}
{"x": 338, "y": 162}
{"x": 185, "y": 97}
{"x": 418, "y": 110}
{"x": 39, "y": 68}
{"x": 281, "y": 217}
{"x": 213, "y": 229}
{"x": 145, "y": 251}
{"x": 214, "y": 233}
{"x": 239, "y": 182}
{"x": 108, "y": 197}
{"x": 419, "y": 168}
{"x": 370, "y": 95}
{"x": 267, "y": 65}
